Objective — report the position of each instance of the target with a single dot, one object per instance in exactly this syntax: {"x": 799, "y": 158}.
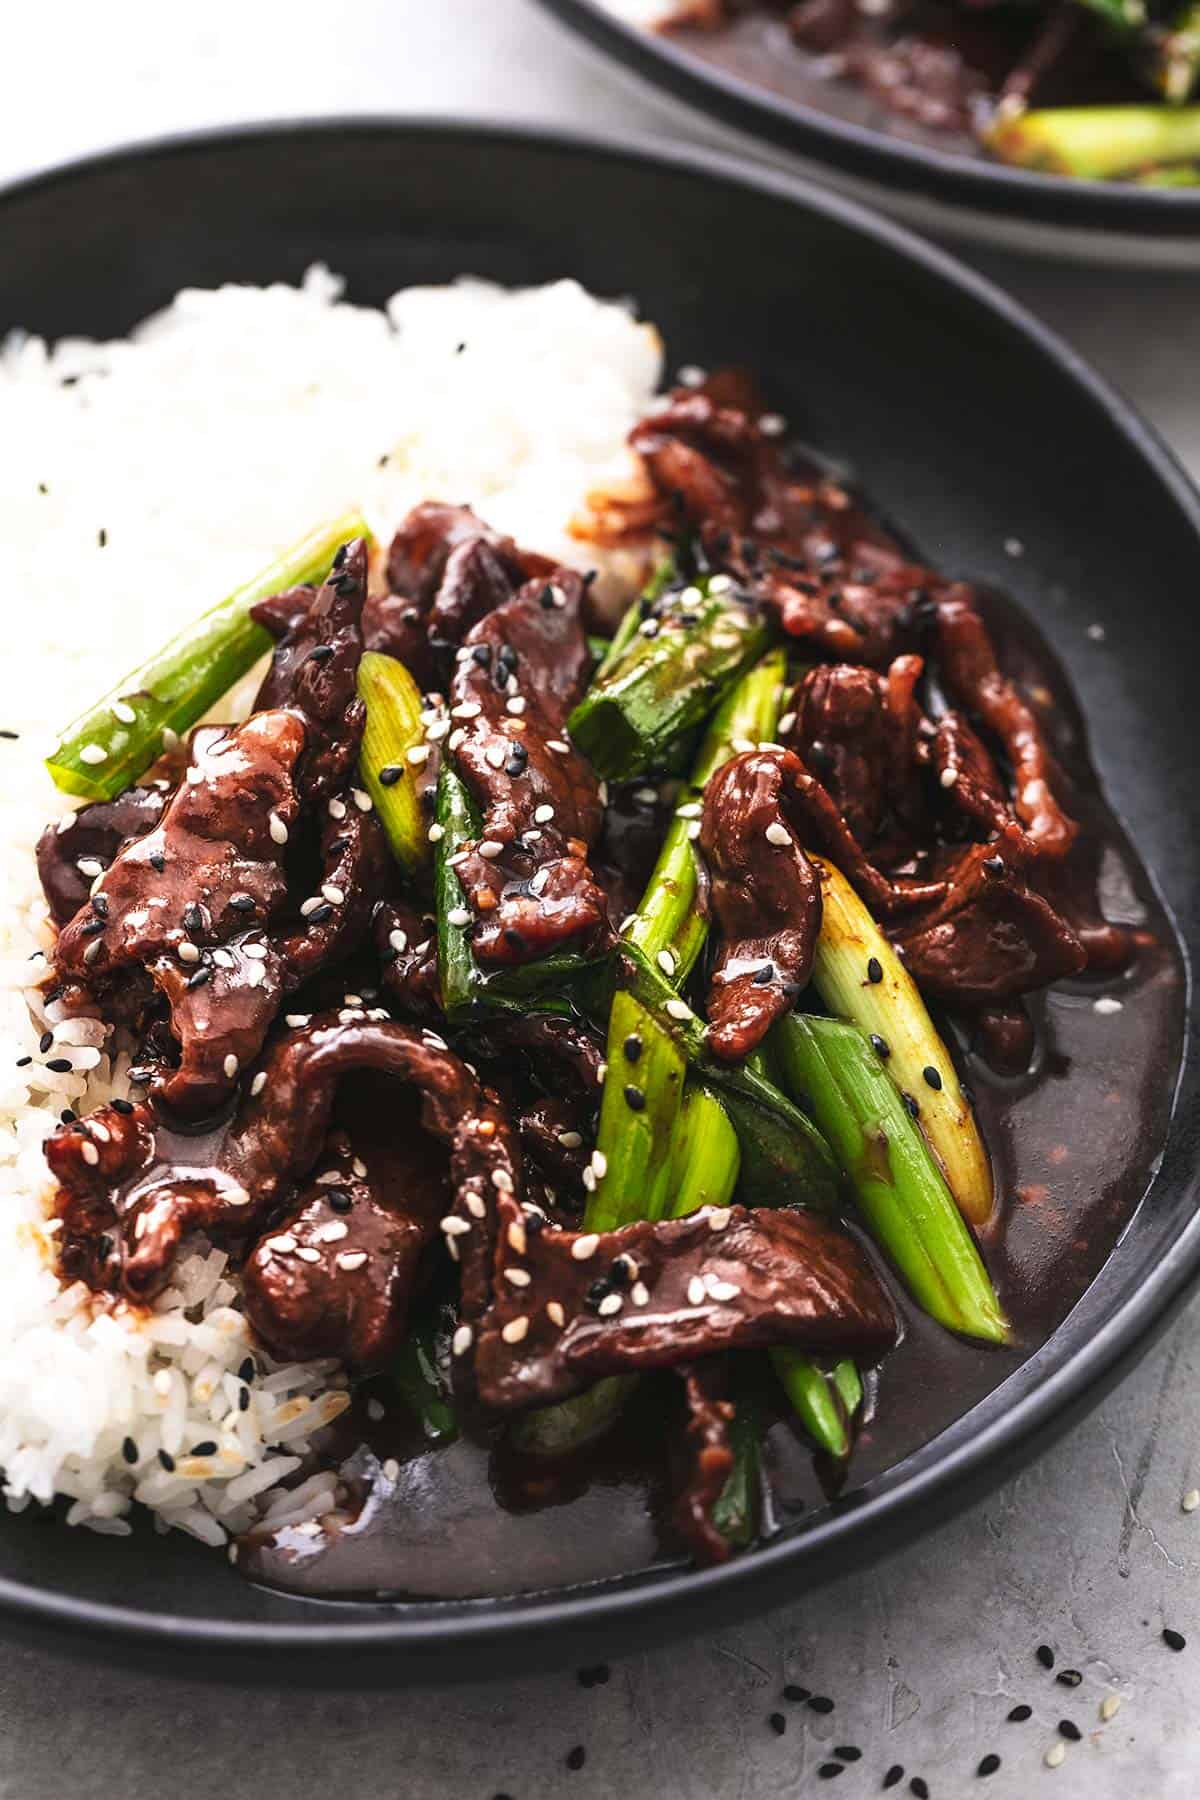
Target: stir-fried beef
{"x": 527, "y": 878}
{"x": 766, "y": 898}
{"x": 81, "y": 845}
{"x": 561, "y": 1309}
{"x": 552, "y": 1090}
{"x": 353, "y": 879}
{"x": 709, "y": 1459}
{"x": 406, "y": 944}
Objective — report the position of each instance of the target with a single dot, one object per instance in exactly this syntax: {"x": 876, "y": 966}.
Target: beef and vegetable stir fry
{"x": 1097, "y": 89}
{"x": 528, "y": 1008}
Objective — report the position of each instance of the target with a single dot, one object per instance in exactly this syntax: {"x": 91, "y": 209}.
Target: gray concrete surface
{"x": 1089, "y": 1551}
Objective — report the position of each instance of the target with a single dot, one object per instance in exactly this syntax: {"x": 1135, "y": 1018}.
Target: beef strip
{"x": 766, "y": 898}
{"x": 93, "y": 836}
{"x": 709, "y": 1459}
{"x": 552, "y": 1088}
{"x": 553, "y": 1311}
{"x": 406, "y": 943}
{"x": 354, "y": 877}
{"x": 991, "y": 937}
{"x": 526, "y": 878}
{"x": 314, "y": 671}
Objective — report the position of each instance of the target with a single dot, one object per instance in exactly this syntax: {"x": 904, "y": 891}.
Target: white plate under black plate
{"x": 965, "y": 418}
{"x": 832, "y": 124}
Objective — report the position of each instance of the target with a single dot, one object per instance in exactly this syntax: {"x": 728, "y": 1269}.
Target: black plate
{"x": 835, "y": 125}
{"x": 964, "y": 417}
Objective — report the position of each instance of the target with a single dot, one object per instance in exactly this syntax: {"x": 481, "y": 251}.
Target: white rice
{"x": 224, "y": 429}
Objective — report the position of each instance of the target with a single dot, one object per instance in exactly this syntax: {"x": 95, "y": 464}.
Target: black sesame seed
{"x": 778, "y": 1724}
{"x": 12, "y": 736}
{"x": 243, "y": 903}
{"x": 919, "y": 1787}
{"x": 911, "y": 1106}
{"x": 482, "y": 654}
{"x": 820, "y": 1703}
{"x": 633, "y": 1047}
{"x": 67, "y": 1116}
{"x": 139, "y": 1077}
{"x": 1068, "y": 1678}
{"x": 619, "y": 1275}
{"x": 635, "y": 1099}
{"x": 319, "y": 914}
{"x": 847, "y": 1752}
{"x": 515, "y": 766}
{"x": 874, "y": 970}
{"x": 1045, "y": 1656}
{"x": 535, "y": 1223}
{"x": 576, "y": 1757}
{"x": 546, "y": 598}
{"x": 45, "y": 1041}
{"x": 320, "y": 653}
{"x": 765, "y": 976}
{"x": 244, "y": 1400}
{"x": 199, "y": 979}
{"x": 23, "y": 1062}
{"x": 100, "y": 905}
{"x": 1069, "y": 1729}
{"x": 931, "y": 1077}
{"x": 104, "y": 1247}
{"x": 599, "y": 1290}
{"x": 1019, "y": 1714}
{"x": 339, "y": 1200}
{"x": 92, "y": 929}
{"x": 60, "y": 1065}
{"x": 246, "y": 1369}
{"x": 827, "y": 1771}
{"x": 880, "y": 1046}
{"x": 121, "y": 1106}
{"x": 1174, "y": 1640}
{"x": 796, "y": 1694}
{"x": 894, "y": 1776}
{"x": 207, "y": 1448}
{"x": 158, "y": 861}
{"x": 167, "y": 1461}
{"x": 994, "y": 865}
{"x": 390, "y": 774}
{"x": 339, "y": 556}
{"x": 102, "y": 537}
{"x": 129, "y": 1450}
{"x": 988, "y": 1764}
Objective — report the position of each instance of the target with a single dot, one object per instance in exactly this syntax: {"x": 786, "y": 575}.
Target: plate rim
{"x": 871, "y": 154}
{"x": 484, "y": 1627}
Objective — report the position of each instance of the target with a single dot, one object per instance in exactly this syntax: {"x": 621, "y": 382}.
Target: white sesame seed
{"x": 1191, "y": 1500}
{"x": 476, "y": 1205}
{"x": 462, "y": 1339}
{"x": 743, "y": 745}
{"x": 308, "y": 1255}
{"x": 502, "y": 1181}
{"x": 467, "y": 709}
{"x": 495, "y": 756}
{"x": 230, "y": 1066}
{"x": 678, "y": 1009}
{"x": 436, "y": 729}
{"x": 89, "y": 1153}
{"x": 518, "y": 1277}
{"x": 555, "y": 1313}
{"x": 599, "y": 1164}
{"x": 453, "y": 1226}
{"x": 532, "y": 836}
{"x": 1110, "y": 1706}
{"x": 691, "y": 375}
{"x": 693, "y": 831}
{"x": 785, "y": 724}
{"x": 585, "y": 1247}
{"x": 718, "y": 1217}
{"x": 359, "y": 1167}
{"x": 695, "y": 1291}
{"x": 433, "y": 1040}
{"x": 278, "y": 830}
{"x": 335, "y": 895}
{"x": 296, "y": 1020}
{"x": 610, "y": 1304}
{"x": 570, "y": 1140}
{"x": 188, "y": 952}
{"x": 516, "y": 1237}
{"x": 1055, "y": 1756}
{"x": 337, "y": 808}
{"x": 778, "y": 834}
{"x": 123, "y": 711}
{"x": 948, "y": 777}
{"x": 666, "y": 962}
{"x": 280, "y": 1246}
{"x": 772, "y": 424}
{"x": 458, "y": 915}
{"x": 516, "y": 705}
{"x": 350, "y": 1259}
{"x": 170, "y": 739}
{"x": 639, "y": 1293}
{"x": 398, "y": 940}
{"x": 629, "y": 921}
{"x": 542, "y": 815}
{"x": 1106, "y": 1004}
{"x": 720, "y": 584}
{"x": 93, "y": 753}
{"x": 589, "y": 1179}
{"x": 690, "y": 811}
{"x": 391, "y": 1469}
{"x": 649, "y": 628}
{"x": 308, "y": 907}
{"x": 418, "y": 754}
{"x": 1096, "y": 633}
{"x": 255, "y": 952}
{"x": 1013, "y": 547}
{"x": 490, "y": 848}
{"x": 557, "y": 744}
{"x": 259, "y": 1083}
{"x": 515, "y": 1330}
{"x": 362, "y": 799}
{"x": 722, "y": 1290}
{"x": 435, "y": 834}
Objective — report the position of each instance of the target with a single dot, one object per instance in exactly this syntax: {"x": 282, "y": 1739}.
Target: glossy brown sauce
{"x": 1076, "y": 1142}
